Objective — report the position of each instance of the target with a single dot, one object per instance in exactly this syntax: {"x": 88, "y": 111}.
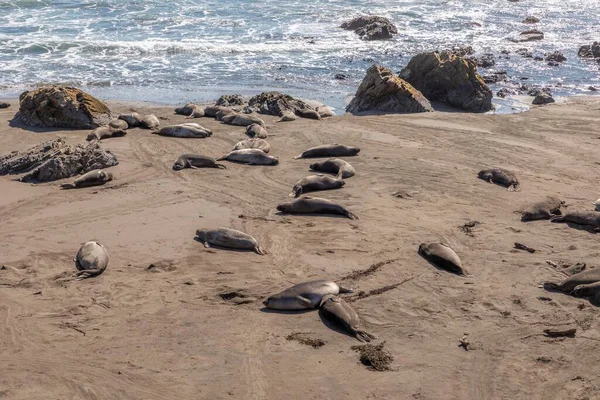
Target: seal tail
{"x": 221, "y": 166}
{"x": 558, "y": 218}
{"x": 68, "y": 186}
{"x": 260, "y": 250}
{"x": 551, "y": 286}
{"x": 514, "y": 188}
{"x": 298, "y": 156}
{"x": 351, "y": 215}
{"x": 222, "y": 158}
{"x": 345, "y": 289}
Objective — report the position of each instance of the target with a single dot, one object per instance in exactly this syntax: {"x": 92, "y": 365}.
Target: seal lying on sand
{"x": 543, "y": 209}
{"x": 577, "y": 282}
{"x": 442, "y": 256}
{"x": 334, "y": 166}
{"x": 308, "y": 113}
{"x": 250, "y": 157}
{"x": 287, "y": 116}
{"x": 313, "y": 183}
{"x": 190, "y": 110}
{"x": 501, "y": 177}
{"x": 256, "y": 131}
{"x": 189, "y": 130}
{"x": 196, "y": 161}
{"x": 211, "y": 111}
{"x": 118, "y": 124}
{"x": 591, "y": 218}
{"x": 91, "y": 260}
{"x": 304, "y": 296}
{"x": 133, "y": 120}
{"x": 229, "y": 238}
{"x": 335, "y": 310}
{"x": 242, "y": 119}
{"x": 105, "y": 132}
{"x": 260, "y": 144}
{"x": 150, "y": 122}
{"x": 92, "y": 178}
{"x": 329, "y": 150}
{"x": 314, "y": 205}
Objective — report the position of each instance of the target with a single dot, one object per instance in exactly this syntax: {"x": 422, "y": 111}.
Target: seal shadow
{"x": 333, "y": 326}
{"x": 445, "y": 270}
{"x": 587, "y": 228}
{"x": 17, "y": 123}
{"x": 593, "y": 300}
{"x": 283, "y": 214}
{"x": 212, "y": 246}
{"x": 267, "y": 310}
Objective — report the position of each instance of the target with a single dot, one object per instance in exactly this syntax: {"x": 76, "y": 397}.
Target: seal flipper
{"x": 345, "y": 290}
{"x": 364, "y": 336}
{"x": 206, "y": 244}
{"x": 558, "y": 218}
{"x": 220, "y": 166}
{"x": 222, "y": 158}
{"x": 296, "y": 191}
{"x": 259, "y": 250}
{"x": 306, "y": 302}
{"x": 298, "y": 156}
{"x": 68, "y": 186}
{"x": 350, "y": 215}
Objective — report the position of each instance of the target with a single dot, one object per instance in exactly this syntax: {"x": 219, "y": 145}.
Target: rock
{"x": 371, "y": 27}
{"x": 450, "y": 79}
{"x": 535, "y": 91}
{"x": 556, "y": 56}
{"x": 589, "y": 50}
{"x": 495, "y": 77}
{"x": 531, "y": 20}
{"x": 504, "y": 92}
{"x": 543, "y": 98}
{"x": 485, "y": 61}
{"x": 528, "y": 36}
{"x": 461, "y": 51}
{"x": 4, "y": 105}
{"x": 382, "y": 91}
{"x": 525, "y": 53}
{"x": 275, "y": 103}
{"x": 230, "y": 100}
{"x": 341, "y": 77}
{"x": 592, "y": 88}
{"x": 62, "y": 107}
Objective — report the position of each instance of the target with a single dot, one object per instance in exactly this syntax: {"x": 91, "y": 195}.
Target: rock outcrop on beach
{"x": 383, "y": 91}
{"x": 275, "y": 103}
{"x": 543, "y": 97}
{"x": 230, "y": 100}
{"x": 4, "y": 105}
{"x": 445, "y": 77}
{"x": 531, "y": 20}
{"x": 54, "y": 160}
{"x": 62, "y": 107}
{"x": 371, "y": 27}
{"x": 528, "y": 36}
{"x": 589, "y": 50}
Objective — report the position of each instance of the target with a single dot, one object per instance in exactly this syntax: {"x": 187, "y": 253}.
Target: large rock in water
{"x": 590, "y": 50}
{"x": 371, "y": 27}
{"x": 450, "y": 79}
{"x": 62, "y": 107}
{"x": 275, "y": 103}
{"x": 382, "y": 91}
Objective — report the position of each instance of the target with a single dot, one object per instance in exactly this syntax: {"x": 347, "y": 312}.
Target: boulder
{"x": 543, "y": 98}
{"x": 556, "y": 56}
{"x": 450, "y": 79}
{"x": 383, "y": 91}
{"x": 524, "y": 52}
{"x": 486, "y": 60}
{"x": 371, "y": 27}
{"x": 461, "y": 51}
{"x": 62, "y": 107}
{"x": 589, "y": 50}
{"x": 531, "y": 20}
{"x": 495, "y": 77}
{"x": 4, "y": 105}
{"x": 275, "y": 103}
{"x": 230, "y": 100}
{"x": 528, "y": 36}
{"x": 504, "y": 92}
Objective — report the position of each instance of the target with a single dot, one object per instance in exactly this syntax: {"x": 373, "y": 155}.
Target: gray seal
{"x": 442, "y": 256}
{"x": 260, "y": 144}
{"x": 342, "y": 169}
{"x": 307, "y": 295}
{"x": 337, "y": 311}
{"x": 591, "y": 218}
{"x": 105, "y": 132}
{"x": 92, "y": 178}
{"x": 313, "y": 183}
{"x": 190, "y": 110}
{"x": 314, "y": 205}
{"x": 580, "y": 280}
{"x": 211, "y": 111}
{"x": 150, "y": 122}
{"x": 189, "y": 130}
{"x": 501, "y": 177}
{"x": 287, "y": 116}
{"x": 133, "y": 120}
{"x": 221, "y": 113}
{"x": 329, "y": 150}
{"x": 118, "y": 124}
{"x": 308, "y": 113}
{"x": 196, "y": 161}
{"x": 256, "y": 131}
{"x": 229, "y": 238}
{"x": 91, "y": 260}
{"x": 325, "y": 111}
{"x": 545, "y": 209}
{"x": 242, "y": 119}
{"x": 250, "y": 157}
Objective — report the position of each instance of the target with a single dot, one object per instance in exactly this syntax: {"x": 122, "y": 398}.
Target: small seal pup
{"x": 329, "y": 150}
{"x": 92, "y": 178}
{"x": 312, "y": 183}
{"x": 118, "y": 124}
{"x": 586, "y": 277}
{"x": 229, "y": 238}
{"x": 256, "y": 131}
{"x": 150, "y": 122}
{"x": 442, "y": 256}
{"x": 260, "y": 144}
{"x": 250, "y": 157}
{"x": 337, "y": 166}
{"x": 242, "y": 119}
{"x": 591, "y": 218}
{"x": 196, "y": 161}
{"x": 314, "y": 205}
{"x": 501, "y": 177}
{"x": 133, "y": 120}
{"x": 337, "y": 311}
{"x": 188, "y": 130}
{"x": 543, "y": 209}
{"x": 91, "y": 260}
{"x": 105, "y": 132}
{"x": 306, "y": 295}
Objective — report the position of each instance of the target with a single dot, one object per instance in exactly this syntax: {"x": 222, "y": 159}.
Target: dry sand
{"x": 165, "y": 333}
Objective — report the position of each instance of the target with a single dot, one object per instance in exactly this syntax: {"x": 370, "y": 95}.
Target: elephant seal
{"x": 543, "y": 210}
{"x": 189, "y": 130}
{"x": 287, "y": 116}
{"x": 190, "y": 110}
{"x": 211, "y": 111}
{"x": 337, "y": 311}
{"x": 196, "y": 161}
{"x": 501, "y": 177}
{"x": 91, "y": 260}
{"x": 337, "y": 166}
{"x": 313, "y": 183}
{"x": 307, "y": 295}
{"x": 133, "y": 120}
{"x": 229, "y": 238}
{"x": 329, "y": 150}
{"x": 591, "y": 218}
{"x": 250, "y": 157}
{"x": 242, "y": 119}
{"x": 587, "y": 290}
{"x": 150, "y": 122}
{"x": 597, "y": 205}
{"x": 105, "y": 132}
{"x": 92, "y": 178}
{"x": 325, "y": 111}
{"x": 308, "y": 113}
{"x": 589, "y": 276}
{"x": 442, "y": 256}
{"x": 118, "y": 124}
{"x": 260, "y": 144}
{"x": 256, "y": 131}
{"x": 314, "y": 205}
{"x": 221, "y": 113}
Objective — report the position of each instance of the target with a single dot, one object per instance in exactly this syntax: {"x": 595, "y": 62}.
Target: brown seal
{"x": 211, "y": 111}
{"x": 591, "y": 218}
{"x": 501, "y": 177}
{"x": 91, "y": 260}
{"x": 442, "y": 256}
{"x": 190, "y": 110}
{"x": 250, "y": 157}
{"x": 150, "y": 122}
{"x": 342, "y": 169}
{"x": 306, "y": 295}
{"x": 314, "y": 205}
{"x": 92, "y": 178}
{"x": 256, "y": 131}
{"x": 230, "y": 238}
{"x": 105, "y": 132}
{"x": 329, "y": 150}
{"x": 545, "y": 209}
{"x": 133, "y": 120}
{"x": 196, "y": 161}
{"x": 188, "y": 130}
{"x": 118, "y": 124}
{"x": 335, "y": 310}
{"x": 313, "y": 183}
{"x": 586, "y": 277}
{"x": 260, "y": 144}
{"x": 242, "y": 119}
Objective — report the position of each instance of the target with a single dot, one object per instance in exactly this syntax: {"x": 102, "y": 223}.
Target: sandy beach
{"x": 170, "y": 319}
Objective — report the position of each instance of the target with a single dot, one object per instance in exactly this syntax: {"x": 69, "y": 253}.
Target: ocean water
{"x": 173, "y": 51}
